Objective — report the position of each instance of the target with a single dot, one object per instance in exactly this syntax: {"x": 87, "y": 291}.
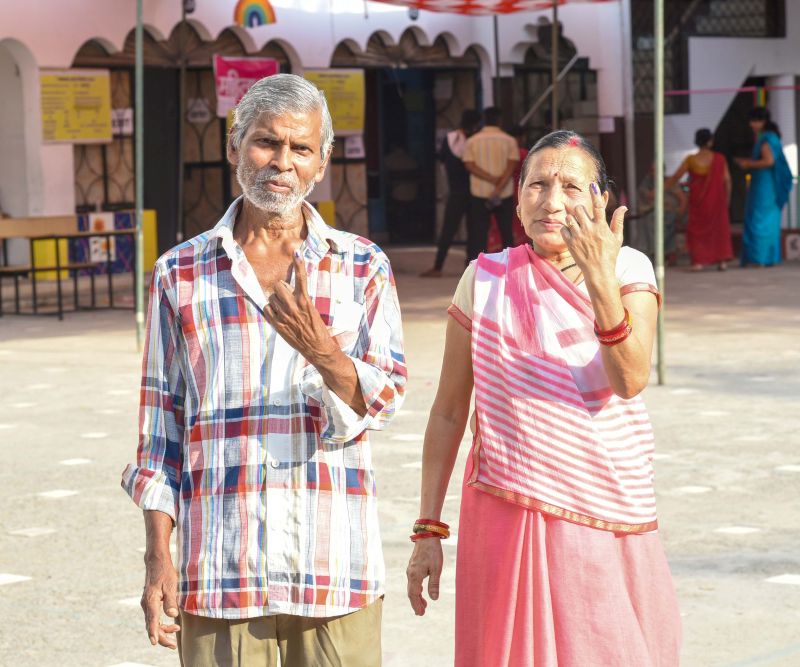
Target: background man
{"x": 490, "y": 156}
{"x": 273, "y": 342}
{"x": 457, "y": 205}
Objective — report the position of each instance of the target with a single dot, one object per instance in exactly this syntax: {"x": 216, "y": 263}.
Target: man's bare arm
{"x": 161, "y": 580}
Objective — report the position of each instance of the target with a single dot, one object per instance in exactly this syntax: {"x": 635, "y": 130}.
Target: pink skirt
{"x": 536, "y": 591}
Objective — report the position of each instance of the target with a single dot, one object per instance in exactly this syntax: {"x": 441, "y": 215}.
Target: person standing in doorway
{"x": 457, "y": 205}
{"x": 490, "y": 156}
{"x": 770, "y": 185}
{"x": 273, "y": 343}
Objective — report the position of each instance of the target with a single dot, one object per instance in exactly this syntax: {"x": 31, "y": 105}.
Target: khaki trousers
{"x": 352, "y": 640}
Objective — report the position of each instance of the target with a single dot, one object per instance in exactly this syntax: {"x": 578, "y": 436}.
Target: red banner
{"x": 234, "y": 76}
{"x": 483, "y": 7}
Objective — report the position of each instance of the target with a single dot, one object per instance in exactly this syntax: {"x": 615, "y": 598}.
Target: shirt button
{"x": 276, "y": 402}
{"x": 275, "y": 463}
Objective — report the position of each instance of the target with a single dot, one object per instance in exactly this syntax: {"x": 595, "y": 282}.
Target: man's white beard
{"x": 253, "y": 181}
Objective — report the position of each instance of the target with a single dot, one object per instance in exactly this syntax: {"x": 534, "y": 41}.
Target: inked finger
{"x": 598, "y": 203}
{"x": 300, "y": 275}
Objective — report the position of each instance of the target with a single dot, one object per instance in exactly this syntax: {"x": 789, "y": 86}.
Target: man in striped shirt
{"x": 274, "y": 343}
{"x": 490, "y": 156}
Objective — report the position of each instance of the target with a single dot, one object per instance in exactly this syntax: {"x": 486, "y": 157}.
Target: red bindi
{"x": 574, "y": 141}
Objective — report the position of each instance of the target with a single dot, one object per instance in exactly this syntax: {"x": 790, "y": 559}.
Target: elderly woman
{"x": 559, "y": 559}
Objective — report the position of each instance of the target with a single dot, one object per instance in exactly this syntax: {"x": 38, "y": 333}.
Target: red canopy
{"x": 483, "y": 7}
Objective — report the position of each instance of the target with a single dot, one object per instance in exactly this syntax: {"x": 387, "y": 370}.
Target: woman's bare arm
{"x": 766, "y": 161}
{"x": 447, "y": 420}
{"x": 446, "y": 424}
{"x": 678, "y": 175}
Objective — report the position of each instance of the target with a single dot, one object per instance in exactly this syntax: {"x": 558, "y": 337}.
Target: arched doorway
{"x": 21, "y": 182}
{"x": 104, "y": 173}
{"x": 415, "y": 93}
{"x": 18, "y": 81}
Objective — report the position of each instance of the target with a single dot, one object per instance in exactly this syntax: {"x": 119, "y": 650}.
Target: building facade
{"x": 420, "y": 73}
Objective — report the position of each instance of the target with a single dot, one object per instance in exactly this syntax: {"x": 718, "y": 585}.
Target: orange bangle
{"x": 430, "y": 528}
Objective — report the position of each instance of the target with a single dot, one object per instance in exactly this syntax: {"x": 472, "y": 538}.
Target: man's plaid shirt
{"x": 266, "y": 472}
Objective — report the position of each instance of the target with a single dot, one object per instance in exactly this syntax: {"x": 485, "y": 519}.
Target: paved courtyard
{"x": 728, "y": 476}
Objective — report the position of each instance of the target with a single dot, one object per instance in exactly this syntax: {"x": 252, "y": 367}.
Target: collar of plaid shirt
{"x": 266, "y": 472}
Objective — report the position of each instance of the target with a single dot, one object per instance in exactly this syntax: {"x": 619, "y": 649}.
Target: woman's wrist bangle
{"x": 430, "y": 528}
{"x": 610, "y": 341}
{"x": 421, "y": 536}
{"x": 627, "y": 321}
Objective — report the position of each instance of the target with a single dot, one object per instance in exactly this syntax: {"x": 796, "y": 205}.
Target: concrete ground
{"x": 728, "y": 476}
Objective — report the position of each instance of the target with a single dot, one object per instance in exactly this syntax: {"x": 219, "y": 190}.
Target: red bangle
{"x": 620, "y": 328}
{"x": 422, "y": 536}
{"x": 610, "y": 341}
{"x": 433, "y": 522}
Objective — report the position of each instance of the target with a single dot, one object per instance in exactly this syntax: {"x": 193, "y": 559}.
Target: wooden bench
{"x": 43, "y": 229}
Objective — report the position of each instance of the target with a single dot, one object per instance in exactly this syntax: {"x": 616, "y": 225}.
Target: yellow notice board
{"x": 76, "y": 106}
{"x": 344, "y": 90}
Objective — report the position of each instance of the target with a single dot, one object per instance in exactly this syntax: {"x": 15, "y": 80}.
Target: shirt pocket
{"x": 346, "y": 323}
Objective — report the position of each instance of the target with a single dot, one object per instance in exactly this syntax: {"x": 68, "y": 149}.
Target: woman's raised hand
{"x": 593, "y": 244}
{"x": 426, "y": 561}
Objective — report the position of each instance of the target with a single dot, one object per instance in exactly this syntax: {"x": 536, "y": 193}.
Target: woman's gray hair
{"x": 279, "y": 94}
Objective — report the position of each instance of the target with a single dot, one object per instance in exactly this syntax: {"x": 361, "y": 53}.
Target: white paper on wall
{"x": 100, "y": 246}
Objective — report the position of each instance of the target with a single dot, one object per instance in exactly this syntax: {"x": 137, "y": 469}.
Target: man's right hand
{"x": 160, "y": 593}
{"x": 426, "y": 561}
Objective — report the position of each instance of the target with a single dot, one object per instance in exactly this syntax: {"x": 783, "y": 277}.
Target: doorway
{"x": 400, "y": 152}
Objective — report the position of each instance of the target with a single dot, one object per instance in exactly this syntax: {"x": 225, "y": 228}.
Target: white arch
{"x": 487, "y": 72}
{"x": 453, "y": 47}
{"x": 295, "y": 61}
{"x": 107, "y": 45}
{"x": 419, "y": 34}
{"x": 203, "y": 32}
{"x": 243, "y": 35}
{"x": 21, "y": 175}
{"x": 516, "y": 54}
{"x": 385, "y": 36}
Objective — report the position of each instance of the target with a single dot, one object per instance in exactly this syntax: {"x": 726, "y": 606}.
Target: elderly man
{"x": 274, "y": 342}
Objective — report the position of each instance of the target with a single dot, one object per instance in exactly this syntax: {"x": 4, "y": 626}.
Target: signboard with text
{"x": 76, "y": 106}
{"x": 344, "y": 91}
{"x": 234, "y": 76}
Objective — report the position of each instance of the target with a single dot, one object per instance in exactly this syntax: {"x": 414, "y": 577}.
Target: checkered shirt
{"x": 266, "y": 472}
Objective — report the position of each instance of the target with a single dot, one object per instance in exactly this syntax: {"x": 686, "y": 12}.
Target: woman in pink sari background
{"x": 708, "y": 233}
{"x": 559, "y": 561}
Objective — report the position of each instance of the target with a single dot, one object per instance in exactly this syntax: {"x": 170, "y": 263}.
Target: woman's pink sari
{"x": 553, "y": 435}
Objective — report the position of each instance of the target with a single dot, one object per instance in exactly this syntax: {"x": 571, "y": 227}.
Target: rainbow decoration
{"x": 253, "y": 13}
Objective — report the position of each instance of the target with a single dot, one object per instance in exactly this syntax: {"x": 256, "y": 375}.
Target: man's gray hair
{"x": 279, "y": 94}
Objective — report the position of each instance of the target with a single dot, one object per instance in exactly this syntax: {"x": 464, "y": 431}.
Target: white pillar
{"x": 782, "y": 107}
{"x": 631, "y": 182}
